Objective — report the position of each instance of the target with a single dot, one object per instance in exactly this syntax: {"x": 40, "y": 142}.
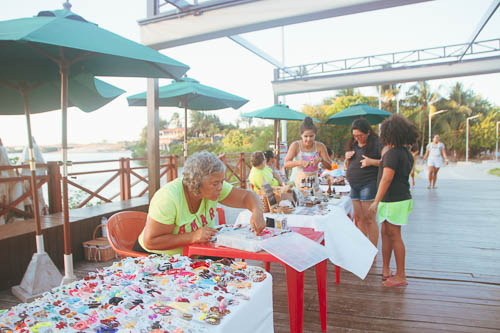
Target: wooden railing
{"x": 11, "y": 205}
{"x": 237, "y": 169}
{"x": 128, "y": 175}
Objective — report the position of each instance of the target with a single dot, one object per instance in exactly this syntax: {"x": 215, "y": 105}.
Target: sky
{"x": 223, "y": 64}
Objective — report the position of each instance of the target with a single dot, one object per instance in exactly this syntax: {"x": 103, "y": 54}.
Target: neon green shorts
{"x": 395, "y": 212}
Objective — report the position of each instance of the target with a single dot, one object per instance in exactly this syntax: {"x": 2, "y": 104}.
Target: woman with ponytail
{"x": 307, "y": 153}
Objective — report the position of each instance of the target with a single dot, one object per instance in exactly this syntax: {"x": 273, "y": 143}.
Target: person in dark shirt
{"x": 362, "y": 158}
{"x": 393, "y": 202}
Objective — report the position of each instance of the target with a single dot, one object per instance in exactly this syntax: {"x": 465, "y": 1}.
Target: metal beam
{"x": 180, "y": 4}
{"x": 489, "y": 13}
{"x": 441, "y": 70}
{"x": 258, "y": 52}
{"x": 164, "y": 31}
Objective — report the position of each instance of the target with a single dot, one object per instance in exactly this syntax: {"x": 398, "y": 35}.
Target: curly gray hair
{"x": 197, "y": 167}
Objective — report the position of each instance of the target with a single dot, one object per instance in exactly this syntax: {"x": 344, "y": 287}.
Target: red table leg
{"x": 295, "y": 285}
{"x": 321, "y": 283}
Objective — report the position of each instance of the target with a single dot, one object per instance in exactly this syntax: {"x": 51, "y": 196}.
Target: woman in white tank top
{"x": 436, "y": 157}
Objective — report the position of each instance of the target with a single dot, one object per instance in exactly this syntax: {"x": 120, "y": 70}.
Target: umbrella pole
{"x": 68, "y": 256}
{"x": 276, "y": 142}
{"x": 41, "y": 274}
{"x": 185, "y": 129}
{"x": 34, "y": 190}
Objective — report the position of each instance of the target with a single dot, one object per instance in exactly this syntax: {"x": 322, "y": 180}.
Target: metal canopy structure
{"x": 482, "y": 57}
{"x": 205, "y": 20}
{"x": 191, "y": 21}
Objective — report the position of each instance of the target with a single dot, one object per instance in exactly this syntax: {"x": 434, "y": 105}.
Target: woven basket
{"x": 98, "y": 249}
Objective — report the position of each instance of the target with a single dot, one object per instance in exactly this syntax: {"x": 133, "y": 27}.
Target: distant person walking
{"x": 362, "y": 158}
{"x": 435, "y": 155}
{"x": 393, "y": 202}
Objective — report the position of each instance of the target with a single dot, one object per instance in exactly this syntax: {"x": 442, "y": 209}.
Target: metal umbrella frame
{"x": 190, "y": 94}
{"x": 53, "y": 43}
{"x": 277, "y": 112}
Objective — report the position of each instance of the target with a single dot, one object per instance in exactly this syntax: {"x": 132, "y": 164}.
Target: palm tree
{"x": 421, "y": 101}
{"x": 388, "y": 93}
{"x": 176, "y": 120}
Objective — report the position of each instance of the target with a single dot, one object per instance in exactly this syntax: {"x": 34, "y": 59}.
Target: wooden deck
{"x": 453, "y": 268}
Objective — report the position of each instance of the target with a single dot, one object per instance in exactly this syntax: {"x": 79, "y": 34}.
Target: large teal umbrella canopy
{"x": 360, "y": 110}
{"x": 190, "y": 94}
{"x": 34, "y": 48}
{"x": 55, "y": 45}
{"x": 85, "y": 92}
{"x": 277, "y": 112}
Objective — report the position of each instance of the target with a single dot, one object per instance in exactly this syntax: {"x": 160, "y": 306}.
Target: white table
{"x": 157, "y": 288}
{"x": 346, "y": 245}
{"x": 255, "y": 315}
{"x": 345, "y": 202}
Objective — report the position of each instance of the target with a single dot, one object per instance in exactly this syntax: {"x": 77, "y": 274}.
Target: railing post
{"x": 54, "y": 187}
{"x": 125, "y": 186}
{"x": 169, "y": 168}
{"x": 176, "y": 166}
{"x": 243, "y": 174}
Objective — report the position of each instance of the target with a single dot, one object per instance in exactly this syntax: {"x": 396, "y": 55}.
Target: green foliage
{"x": 333, "y": 136}
{"x": 494, "y": 172}
{"x": 207, "y": 132}
{"x": 77, "y": 196}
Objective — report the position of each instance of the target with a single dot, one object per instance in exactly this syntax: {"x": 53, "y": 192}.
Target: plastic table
{"x": 294, "y": 279}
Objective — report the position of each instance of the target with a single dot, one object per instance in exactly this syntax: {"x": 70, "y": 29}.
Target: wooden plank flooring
{"x": 453, "y": 268}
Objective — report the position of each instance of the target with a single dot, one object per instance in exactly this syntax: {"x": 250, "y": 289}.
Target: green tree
{"x": 419, "y": 102}
{"x": 175, "y": 120}
{"x": 140, "y": 148}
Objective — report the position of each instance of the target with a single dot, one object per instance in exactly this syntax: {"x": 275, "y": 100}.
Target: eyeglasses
{"x": 358, "y": 135}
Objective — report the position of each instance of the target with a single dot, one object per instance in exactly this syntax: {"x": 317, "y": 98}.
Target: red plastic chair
{"x": 123, "y": 230}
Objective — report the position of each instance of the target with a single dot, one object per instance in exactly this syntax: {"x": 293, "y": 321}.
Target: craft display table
{"x": 294, "y": 279}
{"x": 346, "y": 245}
{"x": 153, "y": 294}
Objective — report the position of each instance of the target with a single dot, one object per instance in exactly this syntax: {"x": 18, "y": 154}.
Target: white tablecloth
{"x": 345, "y": 202}
{"x": 255, "y": 315}
{"x": 346, "y": 245}
{"x": 132, "y": 290}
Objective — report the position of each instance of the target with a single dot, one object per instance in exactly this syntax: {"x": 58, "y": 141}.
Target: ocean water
{"x": 94, "y": 181}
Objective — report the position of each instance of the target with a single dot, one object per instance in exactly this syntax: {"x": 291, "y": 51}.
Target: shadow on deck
{"x": 453, "y": 268}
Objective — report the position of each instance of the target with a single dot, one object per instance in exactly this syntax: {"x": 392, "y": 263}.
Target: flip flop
{"x": 391, "y": 283}
{"x": 385, "y": 277}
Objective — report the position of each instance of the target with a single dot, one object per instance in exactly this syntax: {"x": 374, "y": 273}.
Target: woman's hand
{"x": 366, "y": 161}
{"x": 349, "y": 154}
{"x": 257, "y": 223}
{"x": 304, "y": 163}
{"x": 372, "y": 210}
{"x": 204, "y": 235}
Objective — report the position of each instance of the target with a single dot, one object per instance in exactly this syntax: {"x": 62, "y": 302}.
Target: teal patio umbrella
{"x": 26, "y": 97}
{"x": 190, "y": 94}
{"x": 360, "y": 110}
{"x": 277, "y": 112}
{"x": 55, "y": 45}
